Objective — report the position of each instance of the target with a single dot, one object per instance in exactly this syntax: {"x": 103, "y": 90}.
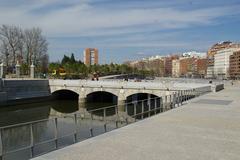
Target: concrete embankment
{"x": 14, "y": 91}
{"x": 206, "y": 128}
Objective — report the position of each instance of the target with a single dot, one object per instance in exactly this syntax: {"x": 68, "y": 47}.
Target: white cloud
{"x": 83, "y": 19}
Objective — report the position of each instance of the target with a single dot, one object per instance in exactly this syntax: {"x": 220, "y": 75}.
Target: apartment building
{"x": 222, "y": 63}
{"x": 176, "y": 68}
{"x": 234, "y": 67}
{"x": 90, "y": 56}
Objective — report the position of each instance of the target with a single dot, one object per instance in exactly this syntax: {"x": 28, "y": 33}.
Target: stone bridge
{"x": 122, "y": 89}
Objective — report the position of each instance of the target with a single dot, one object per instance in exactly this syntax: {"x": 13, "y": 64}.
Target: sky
{"x": 125, "y": 30}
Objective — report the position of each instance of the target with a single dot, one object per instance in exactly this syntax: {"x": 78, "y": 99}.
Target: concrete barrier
{"x": 24, "y": 89}
{"x": 217, "y": 87}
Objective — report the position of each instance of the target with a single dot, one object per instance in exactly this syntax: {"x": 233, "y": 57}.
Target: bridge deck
{"x": 208, "y": 127}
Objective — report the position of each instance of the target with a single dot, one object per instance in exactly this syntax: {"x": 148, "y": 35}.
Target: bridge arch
{"x": 140, "y": 96}
{"x": 100, "y": 99}
{"x": 65, "y": 94}
{"x": 134, "y": 92}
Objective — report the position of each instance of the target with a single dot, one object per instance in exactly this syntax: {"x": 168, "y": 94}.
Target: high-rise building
{"x": 90, "y": 56}
{"x": 219, "y": 46}
{"x": 221, "y": 63}
{"x": 234, "y": 67}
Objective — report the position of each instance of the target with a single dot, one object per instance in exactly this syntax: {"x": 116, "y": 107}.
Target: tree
{"x": 36, "y": 45}
{"x": 72, "y": 59}
{"x": 11, "y": 37}
{"x": 25, "y": 46}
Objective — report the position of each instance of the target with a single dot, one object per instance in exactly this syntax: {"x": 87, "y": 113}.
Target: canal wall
{"x": 3, "y": 95}
{"x": 15, "y": 90}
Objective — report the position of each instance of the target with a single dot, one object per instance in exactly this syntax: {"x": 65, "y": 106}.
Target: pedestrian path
{"x": 206, "y": 128}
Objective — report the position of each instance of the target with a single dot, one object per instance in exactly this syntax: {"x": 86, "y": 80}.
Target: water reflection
{"x": 17, "y": 137}
{"x": 10, "y": 115}
{"x": 65, "y": 106}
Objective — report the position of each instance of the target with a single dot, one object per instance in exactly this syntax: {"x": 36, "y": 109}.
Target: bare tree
{"x": 36, "y": 45}
{"x": 4, "y": 50}
{"x": 26, "y": 47}
{"x": 12, "y": 36}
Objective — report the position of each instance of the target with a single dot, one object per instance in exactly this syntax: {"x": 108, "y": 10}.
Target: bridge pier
{"x": 121, "y": 105}
{"x": 82, "y": 101}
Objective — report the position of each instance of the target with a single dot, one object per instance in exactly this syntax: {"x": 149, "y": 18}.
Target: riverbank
{"x": 208, "y": 127}
{"x": 18, "y": 91}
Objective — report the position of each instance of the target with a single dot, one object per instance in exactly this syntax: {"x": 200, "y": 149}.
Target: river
{"x": 17, "y": 137}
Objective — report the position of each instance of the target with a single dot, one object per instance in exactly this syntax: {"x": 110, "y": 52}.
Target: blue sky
{"x": 126, "y": 29}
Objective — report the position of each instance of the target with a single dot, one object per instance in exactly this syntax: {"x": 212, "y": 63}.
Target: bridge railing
{"x": 39, "y": 137}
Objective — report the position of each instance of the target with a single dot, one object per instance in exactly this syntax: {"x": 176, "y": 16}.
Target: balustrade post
{"x": 56, "y": 132}
{"x": 91, "y": 129}
{"x": 126, "y": 108}
{"x": 170, "y": 103}
{"x": 104, "y": 119}
{"x": 1, "y": 145}
{"x": 31, "y": 141}
{"x": 76, "y": 128}
{"x": 189, "y": 94}
{"x": 178, "y": 99}
{"x": 174, "y": 100}
{"x": 104, "y": 114}
{"x": 155, "y": 106}
{"x": 117, "y": 116}
{"x": 135, "y": 109}
{"x": 181, "y": 98}
{"x": 165, "y": 104}
{"x": 149, "y": 109}
{"x": 142, "y": 110}
{"x": 161, "y": 104}
{"x": 185, "y": 95}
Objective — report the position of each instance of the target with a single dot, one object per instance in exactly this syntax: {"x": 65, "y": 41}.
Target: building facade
{"x": 90, "y": 56}
{"x": 176, "y": 68}
{"x": 187, "y": 66}
{"x": 213, "y": 50}
{"x": 168, "y": 64}
{"x": 222, "y": 63}
{"x": 201, "y": 67}
{"x": 234, "y": 67}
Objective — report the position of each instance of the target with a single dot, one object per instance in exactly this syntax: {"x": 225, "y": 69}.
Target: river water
{"x": 58, "y": 116}
{"x": 18, "y": 137}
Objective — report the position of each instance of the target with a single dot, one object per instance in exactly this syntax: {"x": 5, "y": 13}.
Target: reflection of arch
{"x": 65, "y": 94}
{"x": 140, "y": 96}
{"x": 101, "y": 96}
{"x": 65, "y": 106}
{"x": 139, "y": 91}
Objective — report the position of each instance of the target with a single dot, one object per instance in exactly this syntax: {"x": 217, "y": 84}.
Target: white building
{"x": 175, "y": 68}
{"x": 210, "y": 72}
{"x": 221, "y": 62}
{"x": 195, "y": 54}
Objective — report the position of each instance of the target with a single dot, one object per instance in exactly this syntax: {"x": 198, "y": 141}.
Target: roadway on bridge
{"x": 207, "y": 128}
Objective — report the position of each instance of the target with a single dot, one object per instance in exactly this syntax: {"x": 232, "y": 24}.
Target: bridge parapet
{"x": 124, "y": 89}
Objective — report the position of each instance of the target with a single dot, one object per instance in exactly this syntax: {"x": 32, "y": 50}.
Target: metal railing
{"x": 48, "y": 132}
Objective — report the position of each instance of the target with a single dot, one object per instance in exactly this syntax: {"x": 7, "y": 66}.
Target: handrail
{"x": 171, "y": 101}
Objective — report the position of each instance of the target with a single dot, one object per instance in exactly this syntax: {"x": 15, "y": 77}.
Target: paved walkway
{"x": 207, "y": 128}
